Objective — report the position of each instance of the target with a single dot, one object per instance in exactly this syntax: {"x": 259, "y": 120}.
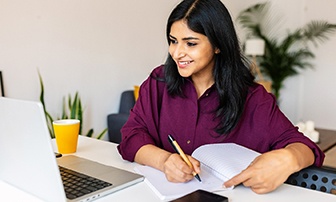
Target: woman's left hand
{"x": 269, "y": 170}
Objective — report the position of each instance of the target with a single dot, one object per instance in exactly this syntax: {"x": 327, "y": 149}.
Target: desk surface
{"x": 327, "y": 139}
{"x": 106, "y": 153}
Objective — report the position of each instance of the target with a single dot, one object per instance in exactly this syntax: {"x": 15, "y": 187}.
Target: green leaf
{"x": 90, "y": 133}
{"x": 49, "y": 119}
{"x": 101, "y": 135}
{"x": 64, "y": 109}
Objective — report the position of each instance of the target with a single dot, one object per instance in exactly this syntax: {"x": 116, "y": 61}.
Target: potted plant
{"x": 72, "y": 109}
{"x": 283, "y": 56}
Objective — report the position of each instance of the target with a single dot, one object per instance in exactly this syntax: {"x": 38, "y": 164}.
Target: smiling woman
{"x": 206, "y": 94}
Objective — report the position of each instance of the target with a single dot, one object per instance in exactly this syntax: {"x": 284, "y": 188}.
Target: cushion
{"x": 136, "y": 92}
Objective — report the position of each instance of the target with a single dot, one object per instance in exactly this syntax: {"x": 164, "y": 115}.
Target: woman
{"x": 205, "y": 94}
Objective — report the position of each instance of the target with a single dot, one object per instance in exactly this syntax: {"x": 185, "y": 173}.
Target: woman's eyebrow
{"x": 190, "y": 38}
{"x": 185, "y": 38}
{"x": 170, "y": 36}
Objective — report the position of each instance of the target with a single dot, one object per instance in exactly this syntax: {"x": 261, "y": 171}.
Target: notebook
{"x": 28, "y": 161}
{"x": 219, "y": 163}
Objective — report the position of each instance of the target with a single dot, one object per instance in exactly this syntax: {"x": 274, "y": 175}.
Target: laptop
{"x": 28, "y": 162}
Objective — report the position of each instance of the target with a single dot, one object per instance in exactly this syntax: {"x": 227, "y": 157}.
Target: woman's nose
{"x": 179, "y": 51}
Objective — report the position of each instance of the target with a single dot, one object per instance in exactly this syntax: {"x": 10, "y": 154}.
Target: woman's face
{"x": 192, "y": 52}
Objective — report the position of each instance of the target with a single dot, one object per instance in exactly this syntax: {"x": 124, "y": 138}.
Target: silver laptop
{"x": 28, "y": 162}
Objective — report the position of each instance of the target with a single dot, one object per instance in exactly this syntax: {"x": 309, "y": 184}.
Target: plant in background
{"x": 72, "y": 109}
{"x": 283, "y": 58}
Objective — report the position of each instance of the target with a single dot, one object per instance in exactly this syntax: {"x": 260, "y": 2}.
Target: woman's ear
{"x": 217, "y": 50}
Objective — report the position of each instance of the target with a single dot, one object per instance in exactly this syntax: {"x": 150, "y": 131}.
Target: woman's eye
{"x": 173, "y": 41}
{"x": 191, "y": 44}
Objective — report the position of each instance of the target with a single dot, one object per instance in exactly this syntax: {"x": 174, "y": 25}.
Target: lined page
{"x": 228, "y": 159}
{"x": 219, "y": 162}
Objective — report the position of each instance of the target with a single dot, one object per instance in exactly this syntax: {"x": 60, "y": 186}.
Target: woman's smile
{"x": 183, "y": 64}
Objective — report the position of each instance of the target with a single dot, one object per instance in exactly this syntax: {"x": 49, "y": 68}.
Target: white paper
{"x": 219, "y": 163}
{"x": 166, "y": 190}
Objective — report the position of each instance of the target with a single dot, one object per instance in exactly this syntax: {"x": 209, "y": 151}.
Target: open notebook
{"x": 219, "y": 162}
{"x": 27, "y": 159}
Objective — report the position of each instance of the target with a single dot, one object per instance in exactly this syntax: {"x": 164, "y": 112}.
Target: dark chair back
{"x": 127, "y": 102}
{"x": 116, "y": 121}
{"x": 320, "y": 179}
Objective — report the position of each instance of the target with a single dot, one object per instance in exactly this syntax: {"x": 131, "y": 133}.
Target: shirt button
{"x": 188, "y": 142}
{"x": 207, "y": 94}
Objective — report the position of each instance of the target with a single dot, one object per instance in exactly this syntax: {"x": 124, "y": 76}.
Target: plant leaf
{"x": 49, "y": 119}
{"x": 101, "y": 135}
{"x": 318, "y": 31}
{"x": 89, "y": 133}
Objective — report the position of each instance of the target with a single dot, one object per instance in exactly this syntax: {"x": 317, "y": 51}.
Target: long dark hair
{"x": 231, "y": 73}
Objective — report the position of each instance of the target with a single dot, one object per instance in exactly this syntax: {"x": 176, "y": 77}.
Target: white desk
{"x": 106, "y": 153}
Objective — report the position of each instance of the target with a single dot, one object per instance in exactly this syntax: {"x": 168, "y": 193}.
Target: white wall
{"x": 319, "y": 94}
{"x": 98, "y": 48}
{"x": 101, "y": 48}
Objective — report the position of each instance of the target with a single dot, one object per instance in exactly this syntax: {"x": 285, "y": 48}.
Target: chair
{"x": 116, "y": 121}
{"x": 320, "y": 179}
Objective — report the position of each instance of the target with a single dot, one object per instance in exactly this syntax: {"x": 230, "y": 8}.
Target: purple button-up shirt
{"x": 191, "y": 121}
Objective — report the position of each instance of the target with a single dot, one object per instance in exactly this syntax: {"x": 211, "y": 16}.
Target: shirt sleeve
{"x": 141, "y": 127}
{"x": 279, "y": 128}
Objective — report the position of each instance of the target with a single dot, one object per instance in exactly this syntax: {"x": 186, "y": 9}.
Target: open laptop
{"x": 28, "y": 162}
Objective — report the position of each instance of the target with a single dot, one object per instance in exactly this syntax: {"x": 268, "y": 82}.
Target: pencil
{"x": 178, "y": 150}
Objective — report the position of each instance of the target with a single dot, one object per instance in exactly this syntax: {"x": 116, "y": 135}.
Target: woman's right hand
{"x": 176, "y": 170}
{"x": 171, "y": 164}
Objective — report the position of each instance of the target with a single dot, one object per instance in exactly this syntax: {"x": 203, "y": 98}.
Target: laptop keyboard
{"x": 78, "y": 184}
